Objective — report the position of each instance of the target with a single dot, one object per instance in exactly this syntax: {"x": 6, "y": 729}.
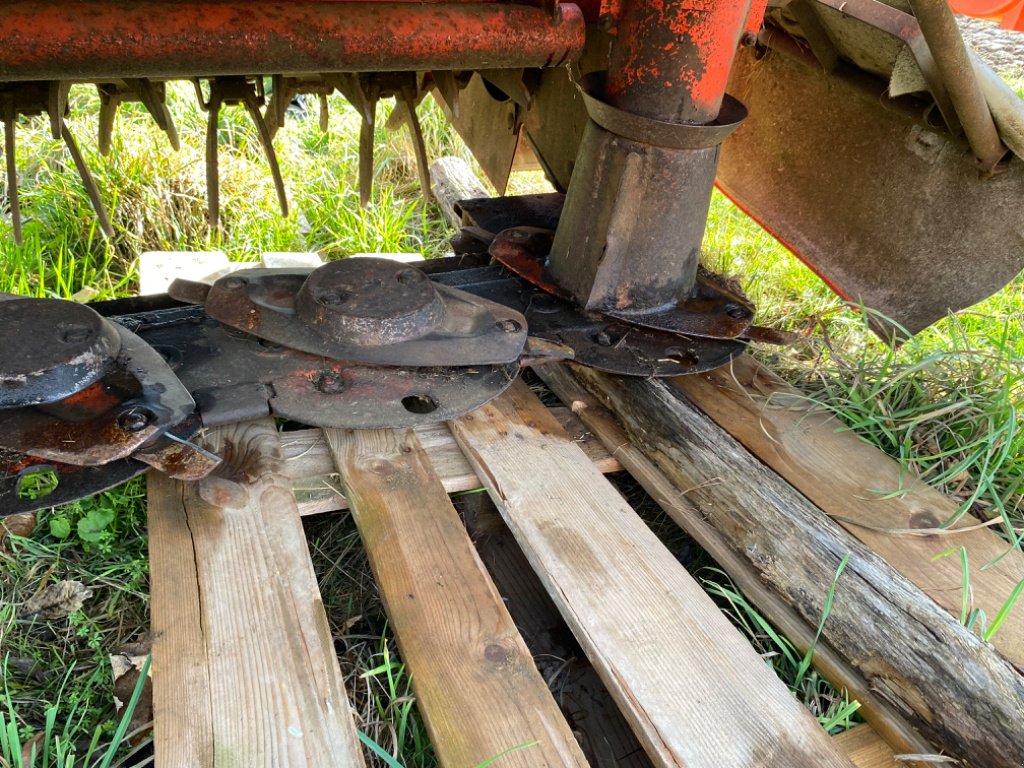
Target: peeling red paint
{"x": 53, "y": 39}
{"x": 672, "y": 58}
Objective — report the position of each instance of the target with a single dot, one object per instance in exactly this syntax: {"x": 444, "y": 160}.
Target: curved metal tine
{"x": 362, "y": 93}
{"x": 155, "y": 103}
{"x": 366, "y": 146}
{"x": 277, "y": 106}
{"x": 57, "y": 105}
{"x": 252, "y": 105}
{"x": 90, "y": 186}
{"x": 325, "y": 115}
{"x": 212, "y": 171}
{"x": 422, "y": 166}
{"x": 109, "y": 102}
{"x": 12, "y": 171}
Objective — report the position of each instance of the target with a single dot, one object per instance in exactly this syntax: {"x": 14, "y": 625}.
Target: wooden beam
{"x": 244, "y": 668}
{"x": 476, "y": 684}
{"x": 693, "y": 689}
{"x": 953, "y": 686}
{"x": 856, "y": 484}
{"x": 837, "y": 670}
{"x": 307, "y": 461}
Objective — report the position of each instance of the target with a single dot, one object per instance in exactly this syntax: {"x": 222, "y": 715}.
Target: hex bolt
{"x": 748, "y": 40}
{"x": 508, "y": 326}
{"x": 603, "y": 338}
{"x": 134, "y": 419}
{"x": 330, "y": 383}
{"x": 735, "y": 311}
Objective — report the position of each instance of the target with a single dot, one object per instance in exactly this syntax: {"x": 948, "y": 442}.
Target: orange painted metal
{"x": 105, "y": 39}
{"x": 1009, "y": 13}
{"x": 671, "y": 58}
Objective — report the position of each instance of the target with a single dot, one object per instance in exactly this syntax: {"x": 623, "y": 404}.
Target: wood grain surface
{"x": 244, "y": 667}
{"x": 476, "y": 684}
{"x": 693, "y": 689}
{"x": 864, "y": 490}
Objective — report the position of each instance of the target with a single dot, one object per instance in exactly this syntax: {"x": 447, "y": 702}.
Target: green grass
{"x": 945, "y": 404}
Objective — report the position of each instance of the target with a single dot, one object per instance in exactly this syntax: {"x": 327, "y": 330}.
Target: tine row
{"x": 267, "y": 113}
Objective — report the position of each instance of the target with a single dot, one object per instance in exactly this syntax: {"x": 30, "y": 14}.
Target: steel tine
{"x": 212, "y": 171}
{"x": 277, "y": 107}
{"x": 366, "y": 147}
{"x": 12, "y": 172}
{"x": 252, "y": 105}
{"x": 155, "y": 104}
{"x": 325, "y": 115}
{"x": 56, "y": 105}
{"x": 109, "y": 102}
{"x": 420, "y": 147}
{"x": 90, "y": 185}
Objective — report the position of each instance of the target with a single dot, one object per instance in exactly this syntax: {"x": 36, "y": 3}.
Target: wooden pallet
{"x": 243, "y": 662}
{"x": 244, "y": 668}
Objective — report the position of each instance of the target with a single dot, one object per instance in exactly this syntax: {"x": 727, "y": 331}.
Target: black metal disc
{"x": 51, "y": 349}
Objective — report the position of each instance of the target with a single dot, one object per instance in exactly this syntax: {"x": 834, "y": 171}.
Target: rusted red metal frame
{"x": 113, "y": 39}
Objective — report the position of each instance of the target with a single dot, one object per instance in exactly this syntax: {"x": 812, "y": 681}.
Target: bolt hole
{"x": 421, "y": 404}
{"x": 509, "y": 326}
{"x": 36, "y": 483}
{"x": 408, "y": 276}
{"x": 735, "y": 311}
{"x": 74, "y": 334}
{"x": 332, "y": 298}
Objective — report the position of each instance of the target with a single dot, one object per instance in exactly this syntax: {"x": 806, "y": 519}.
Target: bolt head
{"x": 134, "y": 419}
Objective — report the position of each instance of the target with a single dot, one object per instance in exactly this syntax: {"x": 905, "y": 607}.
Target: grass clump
{"x": 57, "y": 670}
{"x": 945, "y": 403}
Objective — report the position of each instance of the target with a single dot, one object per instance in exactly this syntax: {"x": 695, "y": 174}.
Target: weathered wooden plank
{"x": 244, "y": 666}
{"x": 954, "y": 687}
{"x": 693, "y": 689}
{"x": 309, "y": 464}
{"x": 851, "y": 480}
{"x": 476, "y": 684}
{"x": 883, "y": 718}
{"x": 866, "y": 749}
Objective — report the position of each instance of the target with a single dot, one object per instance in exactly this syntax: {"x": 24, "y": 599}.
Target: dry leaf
{"x": 35, "y": 743}
{"x": 21, "y": 524}
{"x": 126, "y": 669}
{"x": 56, "y": 601}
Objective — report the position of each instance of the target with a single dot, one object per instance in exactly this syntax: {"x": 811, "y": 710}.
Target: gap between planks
{"x": 694, "y": 690}
{"x": 309, "y": 464}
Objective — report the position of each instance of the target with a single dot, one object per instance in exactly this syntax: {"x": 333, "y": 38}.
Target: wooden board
{"x": 954, "y": 687}
{"x": 476, "y": 684}
{"x": 693, "y": 689}
{"x": 244, "y": 668}
{"x": 848, "y": 479}
{"x": 866, "y": 749}
{"x": 885, "y": 720}
{"x": 309, "y": 464}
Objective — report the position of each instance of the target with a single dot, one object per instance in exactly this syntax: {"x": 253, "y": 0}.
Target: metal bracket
{"x": 367, "y": 310}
